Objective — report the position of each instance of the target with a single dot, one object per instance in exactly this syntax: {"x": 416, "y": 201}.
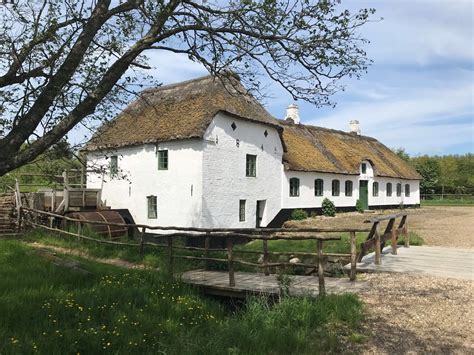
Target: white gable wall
{"x": 139, "y": 166}
{"x": 224, "y": 172}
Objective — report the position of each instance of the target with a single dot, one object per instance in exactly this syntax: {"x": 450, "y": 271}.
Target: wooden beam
{"x": 378, "y": 256}
{"x": 230, "y": 262}
{"x": 393, "y": 233}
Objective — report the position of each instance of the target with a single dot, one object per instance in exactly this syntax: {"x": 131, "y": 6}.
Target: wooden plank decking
{"x": 246, "y": 283}
{"x": 432, "y": 261}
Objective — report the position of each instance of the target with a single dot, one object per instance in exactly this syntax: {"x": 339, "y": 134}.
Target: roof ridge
{"x": 175, "y": 85}
{"x": 349, "y": 134}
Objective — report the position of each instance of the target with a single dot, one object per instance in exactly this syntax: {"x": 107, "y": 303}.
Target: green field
{"x": 448, "y": 202}
{"x": 49, "y": 308}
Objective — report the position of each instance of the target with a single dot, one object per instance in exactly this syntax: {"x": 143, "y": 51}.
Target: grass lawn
{"x": 53, "y": 309}
{"x": 448, "y": 202}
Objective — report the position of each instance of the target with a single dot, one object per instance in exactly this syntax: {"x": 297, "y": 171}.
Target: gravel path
{"x": 415, "y": 314}
{"x": 418, "y": 315}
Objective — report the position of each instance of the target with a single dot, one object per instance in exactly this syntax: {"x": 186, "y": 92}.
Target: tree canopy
{"x": 450, "y": 174}
{"x": 65, "y": 63}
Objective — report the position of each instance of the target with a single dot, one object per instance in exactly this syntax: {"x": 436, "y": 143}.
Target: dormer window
{"x": 363, "y": 168}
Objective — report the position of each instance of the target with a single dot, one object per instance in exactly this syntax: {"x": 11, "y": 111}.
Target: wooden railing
{"x": 31, "y": 217}
{"x": 376, "y": 240}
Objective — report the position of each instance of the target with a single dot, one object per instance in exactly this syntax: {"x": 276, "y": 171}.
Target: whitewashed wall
{"x": 224, "y": 180}
{"x": 176, "y": 205}
{"x": 307, "y": 199}
{"x": 383, "y": 199}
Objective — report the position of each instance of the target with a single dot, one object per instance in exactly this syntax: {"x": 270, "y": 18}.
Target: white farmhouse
{"x": 204, "y": 153}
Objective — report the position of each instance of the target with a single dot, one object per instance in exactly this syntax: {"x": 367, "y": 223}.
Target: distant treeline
{"x": 447, "y": 174}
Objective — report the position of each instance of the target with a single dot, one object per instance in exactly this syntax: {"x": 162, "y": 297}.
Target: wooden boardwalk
{"x": 246, "y": 283}
{"x": 432, "y": 261}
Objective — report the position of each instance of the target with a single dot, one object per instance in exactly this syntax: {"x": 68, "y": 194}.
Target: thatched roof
{"x": 179, "y": 111}
{"x": 185, "y": 110}
{"x": 311, "y": 148}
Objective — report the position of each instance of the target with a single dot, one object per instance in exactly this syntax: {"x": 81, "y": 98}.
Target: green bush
{"x": 299, "y": 215}
{"x": 359, "y": 206}
{"x": 328, "y": 208}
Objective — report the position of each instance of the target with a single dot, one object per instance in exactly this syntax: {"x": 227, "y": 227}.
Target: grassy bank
{"x": 49, "y": 308}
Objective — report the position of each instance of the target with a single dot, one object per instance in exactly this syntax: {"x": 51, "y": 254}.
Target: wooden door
{"x": 364, "y": 194}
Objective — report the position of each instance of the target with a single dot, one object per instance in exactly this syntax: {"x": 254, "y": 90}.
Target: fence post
{"x": 142, "y": 241}
{"x": 230, "y": 262}
{"x": 170, "y": 255}
{"x": 207, "y": 245}
{"x": 265, "y": 257}
{"x": 19, "y": 219}
{"x": 353, "y": 273}
{"x": 407, "y": 236}
{"x": 322, "y": 287}
{"x": 394, "y": 240}
{"x": 378, "y": 256}
{"x": 79, "y": 231}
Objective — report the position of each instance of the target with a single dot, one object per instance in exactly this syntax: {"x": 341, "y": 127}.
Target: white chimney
{"x": 354, "y": 127}
{"x": 293, "y": 113}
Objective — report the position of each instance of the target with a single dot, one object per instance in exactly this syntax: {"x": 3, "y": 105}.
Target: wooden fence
{"x": 34, "y": 218}
{"x": 376, "y": 240}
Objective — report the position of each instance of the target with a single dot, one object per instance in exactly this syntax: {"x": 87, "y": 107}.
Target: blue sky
{"x": 419, "y": 92}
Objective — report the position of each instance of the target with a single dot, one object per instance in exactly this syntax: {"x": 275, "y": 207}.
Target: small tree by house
{"x": 328, "y": 208}
{"x": 299, "y": 215}
{"x": 359, "y": 207}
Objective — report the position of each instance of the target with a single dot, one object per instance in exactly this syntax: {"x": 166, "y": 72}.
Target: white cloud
{"x": 431, "y": 119}
{"x": 420, "y": 32}
{"x": 173, "y": 67}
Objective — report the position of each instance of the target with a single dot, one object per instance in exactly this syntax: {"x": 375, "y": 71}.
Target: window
{"x": 335, "y": 187}
{"x": 407, "y": 190}
{"x": 152, "y": 207}
{"x": 113, "y": 165}
{"x": 375, "y": 189}
{"x": 348, "y": 188}
{"x": 399, "y": 189}
{"x": 389, "y": 189}
{"x": 241, "y": 210}
{"x": 162, "y": 160}
{"x": 251, "y": 167}
{"x": 318, "y": 187}
{"x": 364, "y": 168}
{"x": 294, "y": 187}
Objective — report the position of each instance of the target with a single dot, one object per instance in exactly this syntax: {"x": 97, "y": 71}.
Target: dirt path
{"x": 448, "y": 226}
{"x": 445, "y": 226}
{"x": 66, "y": 251}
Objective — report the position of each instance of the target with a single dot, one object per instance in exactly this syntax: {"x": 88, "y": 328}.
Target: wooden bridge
{"x": 248, "y": 283}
